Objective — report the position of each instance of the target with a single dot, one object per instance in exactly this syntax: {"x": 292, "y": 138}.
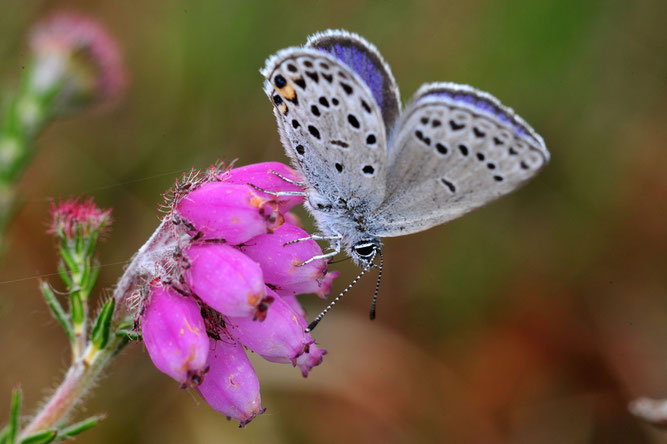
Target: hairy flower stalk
{"x": 73, "y": 64}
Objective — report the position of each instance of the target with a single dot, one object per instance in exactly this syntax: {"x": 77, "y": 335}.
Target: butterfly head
{"x": 364, "y": 251}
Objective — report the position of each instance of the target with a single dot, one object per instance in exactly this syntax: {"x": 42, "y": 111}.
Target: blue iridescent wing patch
{"x": 365, "y": 60}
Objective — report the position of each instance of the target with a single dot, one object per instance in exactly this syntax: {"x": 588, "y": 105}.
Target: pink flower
{"x": 228, "y": 255}
{"x": 281, "y": 337}
{"x": 231, "y": 386}
{"x": 235, "y": 213}
{"x": 311, "y": 358}
{"x": 226, "y": 280}
{"x": 77, "y": 55}
{"x": 260, "y": 175}
{"x": 282, "y": 264}
{"x": 74, "y": 217}
{"x": 295, "y": 305}
{"x": 175, "y": 336}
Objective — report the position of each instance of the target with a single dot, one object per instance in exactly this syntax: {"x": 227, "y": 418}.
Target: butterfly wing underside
{"x": 329, "y": 124}
{"x": 456, "y": 149}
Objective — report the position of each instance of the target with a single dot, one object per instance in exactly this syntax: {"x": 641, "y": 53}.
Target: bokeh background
{"x": 533, "y": 320}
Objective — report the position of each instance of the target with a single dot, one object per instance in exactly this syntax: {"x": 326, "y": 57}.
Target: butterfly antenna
{"x": 377, "y": 287}
{"x": 317, "y": 320}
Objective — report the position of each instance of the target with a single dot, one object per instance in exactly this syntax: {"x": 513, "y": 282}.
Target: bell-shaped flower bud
{"x": 231, "y": 386}
{"x": 261, "y": 175}
{"x": 295, "y": 305}
{"x": 232, "y": 212}
{"x": 226, "y": 280}
{"x": 76, "y": 61}
{"x": 175, "y": 335}
{"x": 282, "y": 264}
{"x": 311, "y": 358}
{"x": 280, "y": 338}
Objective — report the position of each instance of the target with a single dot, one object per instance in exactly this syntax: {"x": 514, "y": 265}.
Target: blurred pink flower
{"x": 76, "y": 54}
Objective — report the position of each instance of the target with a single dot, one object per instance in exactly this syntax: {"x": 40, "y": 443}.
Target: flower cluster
{"x": 232, "y": 283}
{"x": 78, "y": 57}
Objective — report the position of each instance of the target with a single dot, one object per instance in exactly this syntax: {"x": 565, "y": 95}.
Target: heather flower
{"x": 226, "y": 242}
{"x": 226, "y": 280}
{"x": 263, "y": 175}
{"x": 229, "y": 212}
{"x": 312, "y": 357}
{"x": 294, "y": 303}
{"x": 231, "y": 386}
{"x": 75, "y": 56}
{"x": 175, "y": 335}
{"x": 281, "y": 337}
{"x": 283, "y": 264}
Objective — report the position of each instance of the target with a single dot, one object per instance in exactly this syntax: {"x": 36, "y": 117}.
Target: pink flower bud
{"x": 175, "y": 335}
{"x": 226, "y": 280}
{"x": 295, "y": 305}
{"x": 75, "y": 217}
{"x": 313, "y": 357}
{"x": 281, "y": 263}
{"x": 280, "y": 338}
{"x": 260, "y": 175}
{"x": 227, "y": 211}
{"x": 77, "y": 55}
{"x": 231, "y": 386}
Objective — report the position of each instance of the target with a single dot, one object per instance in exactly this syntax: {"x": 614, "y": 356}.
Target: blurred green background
{"x": 533, "y": 320}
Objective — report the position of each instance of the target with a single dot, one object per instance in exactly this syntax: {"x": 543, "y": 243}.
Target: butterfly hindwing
{"x": 455, "y": 150}
{"x": 330, "y": 125}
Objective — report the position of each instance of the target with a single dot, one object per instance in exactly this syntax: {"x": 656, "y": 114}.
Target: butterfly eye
{"x": 365, "y": 249}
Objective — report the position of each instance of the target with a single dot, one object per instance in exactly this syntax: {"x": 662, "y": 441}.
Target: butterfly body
{"x": 373, "y": 171}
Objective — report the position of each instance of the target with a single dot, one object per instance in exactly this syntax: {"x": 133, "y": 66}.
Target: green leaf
{"x": 76, "y": 308}
{"x": 57, "y": 309}
{"x": 14, "y": 412}
{"x": 130, "y": 335}
{"x": 79, "y": 427}
{"x": 102, "y": 327}
{"x": 90, "y": 245}
{"x": 92, "y": 278}
{"x": 69, "y": 260}
{"x": 64, "y": 276}
{"x": 83, "y": 279}
{"x": 41, "y": 437}
{"x": 4, "y": 434}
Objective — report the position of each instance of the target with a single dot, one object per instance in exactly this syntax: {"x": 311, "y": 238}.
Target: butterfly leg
{"x": 279, "y": 193}
{"x": 315, "y": 237}
{"x": 293, "y": 182}
{"x": 322, "y": 256}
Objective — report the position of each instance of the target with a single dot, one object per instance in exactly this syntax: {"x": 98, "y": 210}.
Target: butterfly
{"x": 373, "y": 171}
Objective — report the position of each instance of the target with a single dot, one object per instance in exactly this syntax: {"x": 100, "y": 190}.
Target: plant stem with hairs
{"x": 78, "y": 225}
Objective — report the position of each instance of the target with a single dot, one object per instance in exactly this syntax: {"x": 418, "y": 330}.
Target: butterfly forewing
{"x": 365, "y": 60}
{"x": 330, "y": 125}
{"x": 456, "y": 149}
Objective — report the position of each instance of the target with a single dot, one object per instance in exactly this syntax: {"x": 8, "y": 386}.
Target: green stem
{"x": 23, "y": 118}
